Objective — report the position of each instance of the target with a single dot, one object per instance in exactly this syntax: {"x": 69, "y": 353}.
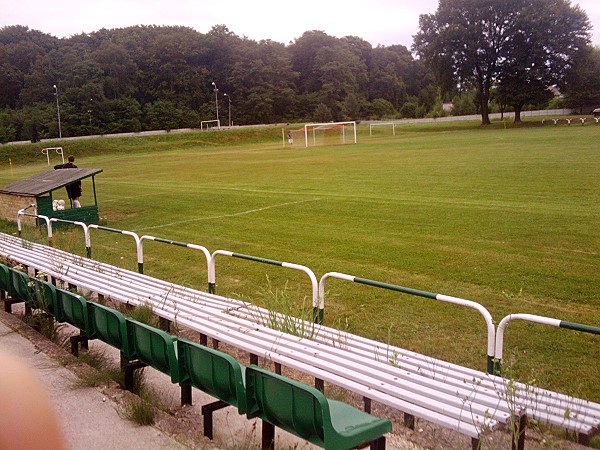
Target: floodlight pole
{"x": 58, "y": 112}
{"x": 217, "y": 103}
{"x": 229, "y": 99}
{"x": 90, "y": 116}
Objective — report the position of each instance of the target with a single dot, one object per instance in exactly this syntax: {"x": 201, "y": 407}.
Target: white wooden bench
{"x": 465, "y": 400}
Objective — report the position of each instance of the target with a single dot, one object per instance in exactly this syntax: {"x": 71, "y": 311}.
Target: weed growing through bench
{"x": 528, "y": 398}
{"x": 105, "y": 370}
{"x": 143, "y": 313}
{"x": 282, "y": 312}
{"x": 174, "y": 327}
{"x": 40, "y": 320}
{"x": 139, "y": 410}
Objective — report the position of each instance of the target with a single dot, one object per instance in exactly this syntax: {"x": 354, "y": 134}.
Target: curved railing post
{"x": 86, "y": 233}
{"x": 536, "y": 319}
{"x": 140, "y": 256}
{"x": 440, "y": 297}
{"x": 86, "y": 236}
{"x": 22, "y": 212}
{"x": 317, "y": 313}
{"x": 138, "y": 248}
{"x": 180, "y": 244}
{"x": 48, "y": 227}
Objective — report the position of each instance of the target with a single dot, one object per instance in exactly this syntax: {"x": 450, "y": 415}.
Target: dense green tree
{"x": 322, "y": 114}
{"x": 351, "y": 108}
{"x": 464, "y": 104}
{"x": 263, "y": 83}
{"x": 409, "y": 110}
{"x": 7, "y": 129}
{"x": 582, "y": 84}
{"x": 146, "y": 77}
{"x": 536, "y": 60}
{"x": 382, "y": 108}
{"x": 386, "y": 79}
{"x": 478, "y": 42}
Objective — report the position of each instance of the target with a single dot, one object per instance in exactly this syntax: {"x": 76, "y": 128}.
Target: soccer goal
{"x": 329, "y": 133}
{"x": 383, "y": 128}
{"x": 205, "y": 124}
{"x": 59, "y": 151}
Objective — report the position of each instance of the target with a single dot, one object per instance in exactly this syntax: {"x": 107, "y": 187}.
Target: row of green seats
{"x": 279, "y": 401}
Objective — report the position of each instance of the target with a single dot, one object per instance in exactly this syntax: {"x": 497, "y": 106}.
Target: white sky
{"x": 385, "y": 22}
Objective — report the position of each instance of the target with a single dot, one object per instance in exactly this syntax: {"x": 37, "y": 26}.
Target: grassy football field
{"x": 507, "y": 217}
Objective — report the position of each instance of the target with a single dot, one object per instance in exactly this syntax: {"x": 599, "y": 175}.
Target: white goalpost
{"x": 382, "y": 124}
{"x": 204, "y": 125}
{"x": 316, "y": 133}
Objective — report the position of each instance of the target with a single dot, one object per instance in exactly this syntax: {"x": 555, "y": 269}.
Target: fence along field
{"x": 504, "y": 217}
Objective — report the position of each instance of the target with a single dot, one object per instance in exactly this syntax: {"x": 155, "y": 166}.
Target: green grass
{"x": 507, "y": 217}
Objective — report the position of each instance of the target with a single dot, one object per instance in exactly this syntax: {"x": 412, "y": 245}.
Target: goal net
{"x": 328, "y": 133}
{"x": 382, "y": 129}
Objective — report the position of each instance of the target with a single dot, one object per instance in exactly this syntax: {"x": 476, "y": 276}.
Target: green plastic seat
{"x": 214, "y": 372}
{"x": 153, "y": 347}
{"x": 305, "y": 412}
{"x": 71, "y": 308}
{"x": 5, "y": 280}
{"x": 109, "y": 326}
{"x": 22, "y": 288}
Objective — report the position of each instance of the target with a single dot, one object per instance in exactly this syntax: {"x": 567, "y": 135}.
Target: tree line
{"x": 479, "y": 54}
{"x": 156, "y": 77}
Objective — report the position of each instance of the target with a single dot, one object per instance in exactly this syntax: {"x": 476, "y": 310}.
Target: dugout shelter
{"x": 41, "y": 190}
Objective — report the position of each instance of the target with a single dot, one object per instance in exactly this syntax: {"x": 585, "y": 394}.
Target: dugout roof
{"x": 47, "y": 181}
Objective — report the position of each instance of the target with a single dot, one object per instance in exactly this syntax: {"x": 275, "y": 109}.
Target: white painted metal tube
{"x": 313, "y": 281}
{"x": 211, "y": 266}
{"x": 528, "y": 317}
{"x": 484, "y": 312}
{"x": 341, "y": 276}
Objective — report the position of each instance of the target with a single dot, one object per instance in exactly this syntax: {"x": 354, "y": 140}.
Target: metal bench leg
{"x": 378, "y": 444}
{"x": 8, "y": 302}
{"x": 367, "y": 403}
{"x": 164, "y": 324}
{"x": 207, "y": 414}
{"x": 268, "y": 436}
{"x": 583, "y": 439}
{"x": 475, "y": 444}
{"x": 203, "y": 339}
{"x": 124, "y": 360}
{"x": 409, "y": 421}
{"x": 518, "y": 437}
{"x": 253, "y": 359}
{"x": 75, "y": 340}
{"x": 320, "y": 384}
{"x": 130, "y": 369}
{"x": 186, "y": 395}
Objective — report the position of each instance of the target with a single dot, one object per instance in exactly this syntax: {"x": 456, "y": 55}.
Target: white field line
{"x": 116, "y": 199}
{"x": 241, "y": 213}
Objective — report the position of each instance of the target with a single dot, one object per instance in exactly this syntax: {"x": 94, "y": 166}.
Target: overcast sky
{"x": 385, "y": 22}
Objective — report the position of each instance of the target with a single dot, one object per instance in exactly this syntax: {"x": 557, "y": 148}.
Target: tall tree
{"x": 582, "y": 84}
{"x": 477, "y": 42}
{"x": 536, "y": 60}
